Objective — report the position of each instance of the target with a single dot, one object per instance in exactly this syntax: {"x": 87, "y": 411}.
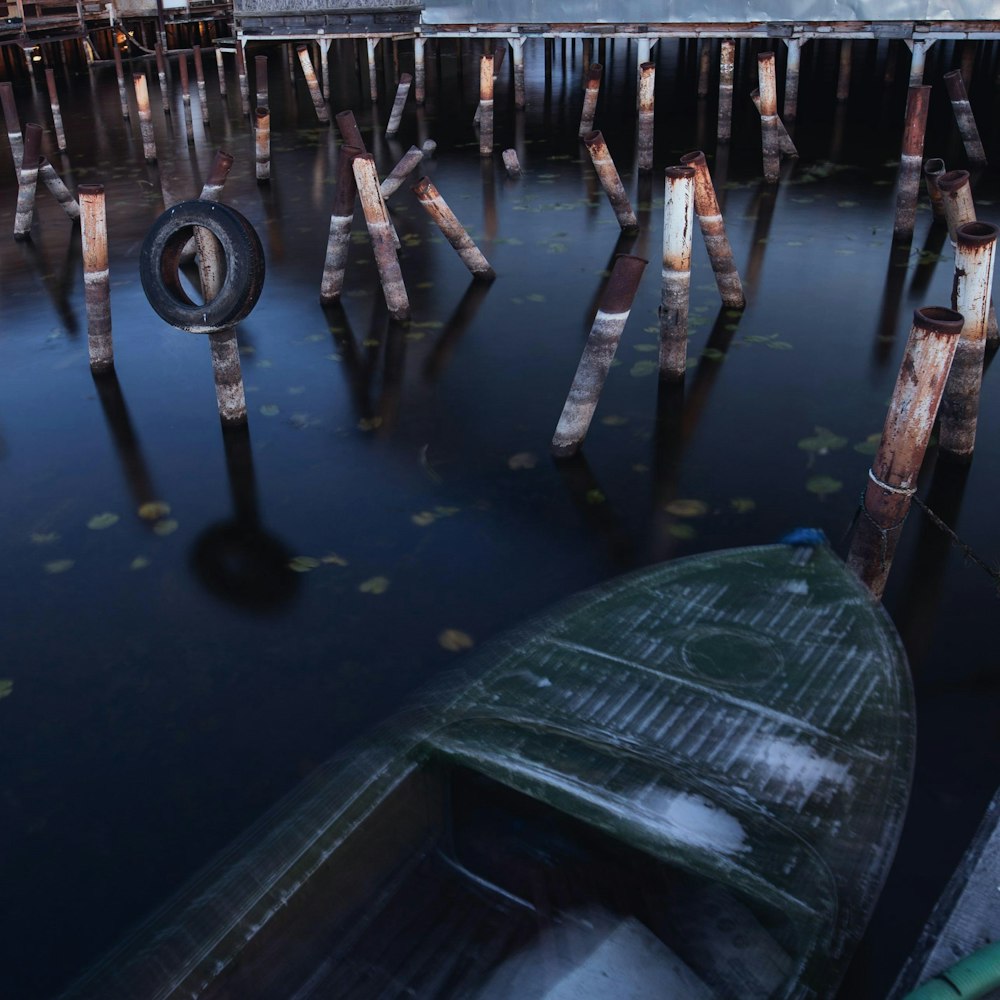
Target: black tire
{"x": 160, "y": 260}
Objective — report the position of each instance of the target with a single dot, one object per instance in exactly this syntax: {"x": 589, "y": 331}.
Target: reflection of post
{"x": 933, "y": 169}
{"x": 668, "y": 449}
{"x": 393, "y": 370}
{"x": 974, "y": 261}
{"x": 221, "y": 68}
{"x": 892, "y": 294}
{"x": 610, "y": 180}
{"x": 359, "y": 376}
{"x": 490, "y": 222}
{"x": 727, "y": 61}
{"x": 453, "y": 230}
{"x": 917, "y": 102}
{"x": 678, "y": 217}
{"x": 930, "y": 254}
{"x": 764, "y": 212}
{"x": 598, "y": 353}
{"x": 893, "y": 476}
{"x": 455, "y": 328}
{"x": 964, "y": 118}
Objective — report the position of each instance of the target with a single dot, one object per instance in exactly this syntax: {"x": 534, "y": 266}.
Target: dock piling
{"x": 396, "y": 115}
{"x": 486, "y": 105}
{"x": 199, "y": 75}
{"x": 96, "y": 276}
{"x": 590, "y": 95}
{"x": 793, "y": 63}
{"x": 394, "y": 179}
{"x": 13, "y": 122}
{"x": 260, "y": 80}
{"x": 57, "y": 122}
{"x": 511, "y": 163}
{"x": 120, "y": 74}
{"x": 611, "y": 181}
{"x": 57, "y": 188}
{"x": 678, "y": 219}
{"x": 933, "y": 169}
{"x": 453, "y": 230}
{"x": 25, "y": 210}
{"x": 727, "y": 61}
{"x": 186, "y": 98}
{"x": 964, "y": 118}
{"x": 341, "y": 218}
{"x": 313, "y": 84}
{"x": 911, "y": 160}
{"x": 161, "y": 72}
{"x": 769, "y": 117}
{"x": 263, "y": 145}
{"x": 145, "y": 117}
{"x": 647, "y": 87}
{"x": 380, "y": 232}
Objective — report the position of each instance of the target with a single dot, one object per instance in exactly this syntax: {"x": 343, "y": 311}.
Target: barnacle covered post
{"x": 590, "y": 96}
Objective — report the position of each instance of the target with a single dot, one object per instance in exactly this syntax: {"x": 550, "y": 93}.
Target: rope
{"x": 903, "y": 491}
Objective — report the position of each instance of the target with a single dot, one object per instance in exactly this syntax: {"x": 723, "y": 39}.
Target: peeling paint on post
{"x": 918, "y": 58}
{"x": 647, "y": 87}
{"x": 892, "y": 478}
{"x": 161, "y": 71}
{"x": 769, "y": 116}
{"x": 964, "y": 118}
{"x": 145, "y": 117}
{"x": 713, "y": 229}
{"x": 211, "y": 191}
{"x": 220, "y": 67}
{"x": 57, "y": 188}
{"x": 13, "y": 122}
{"x": 341, "y": 218}
{"x": 57, "y": 122}
{"x": 97, "y": 285}
{"x": 263, "y": 145}
{"x": 911, "y": 160}
{"x": 517, "y": 55}
{"x": 394, "y": 179}
{"x": 970, "y": 297}
{"x": 199, "y": 75}
{"x": 349, "y": 131}
{"x": 598, "y": 353}
{"x": 313, "y": 84}
{"x": 590, "y": 95}
{"x": 186, "y": 98}
{"x": 241, "y": 73}
{"x": 727, "y": 61}
{"x": 380, "y": 232}
{"x": 453, "y": 230}
{"x": 611, "y": 181}
{"x": 678, "y": 223}
{"x": 260, "y": 80}
{"x": 419, "y": 71}
{"x": 933, "y": 169}
{"x": 372, "y": 69}
{"x": 396, "y": 115}
{"x": 793, "y": 63}
{"x": 120, "y": 74}
{"x": 785, "y": 145}
{"x": 486, "y": 106}
{"x": 511, "y": 164}
{"x": 28, "y": 181}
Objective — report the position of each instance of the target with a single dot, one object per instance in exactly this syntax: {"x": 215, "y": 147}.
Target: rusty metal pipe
{"x": 199, "y": 75}
{"x": 50, "y": 83}
{"x": 120, "y": 74}
{"x": 598, "y": 353}
{"x": 28, "y": 181}
{"x": 844, "y": 72}
{"x": 964, "y": 118}
{"x": 211, "y": 191}
{"x": 96, "y": 276}
{"x": 341, "y": 219}
{"x": 727, "y": 62}
{"x": 186, "y": 97}
{"x": 57, "y": 188}
{"x": 713, "y": 229}
{"x": 13, "y": 123}
{"x": 486, "y": 106}
{"x": 974, "y": 264}
{"x": 453, "y": 230}
{"x": 263, "y": 144}
{"x": 678, "y": 222}
{"x": 220, "y": 66}
{"x": 313, "y": 84}
{"x": 241, "y": 74}
{"x": 590, "y": 95}
{"x": 517, "y": 45}
{"x": 892, "y": 479}
{"x": 933, "y": 169}
{"x": 610, "y": 180}
{"x": 793, "y": 64}
{"x": 647, "y": 86}
{"x": 370, "y": 44}
{"x": 704, "y": 65}
{"x": 769, "y": 116}
{"x": 786, "y": 147}
{"x": 406, "y": 165}
{"x": 228, "y": 373}
{"x": 911, "y": 160}
{"x": 419, "y": 71}
{"x": 349, "y": 131}
{"x": 380, "y": 232}
{"x": 511, "y": 163}
{"x": 145, "y": 117}
{"x": 396, "y": 115}
{"x": 161, "y": 71}
{"x": 260, "y": 80}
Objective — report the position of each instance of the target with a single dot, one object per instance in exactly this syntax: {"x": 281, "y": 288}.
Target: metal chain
{"x": 966, "y": 550}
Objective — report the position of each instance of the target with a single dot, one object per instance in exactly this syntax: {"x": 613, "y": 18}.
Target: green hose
{"x": 972, "y": 977}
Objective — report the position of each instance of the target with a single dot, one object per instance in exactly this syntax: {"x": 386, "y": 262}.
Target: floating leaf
{"x": 536, "y": 297}
{"x": 613, "y": 420}
{"x": 687, "y": 508}
{"x": 522, "y": 460}
{"x": 823, "y": 485}
{"x": 641, "y": 368}
{"x": 139, "y": 562}
{"x": 332, "y": 559}
{"x": 645, "y": 347}
{"x": 595, "y": 496}
{"x": 369, "y": 423}
{"x": 376, "y": 585}
{"x": 424, "y": 518}
{"x": 454, "y": 640}
{"x": 713, "y": 354}
{"x": 823, "y": 440}
{"x": 58, "y": 565}
{"x": 303, "y": 564}
{"x": 779, "y": 345}
{"x": 167, "y": 527}
{"x": 447, "y": 511}
{"x": 6, "y": 687}
{"x": 101, "y": 521}
{"x": 270, "y": 410}
{"x": 46, "y": 538}
{"x": 742, "y": 504}
{"x": 154, "y": 509}
{"x": 869, "y": 446}
{"x": 683, "y": 531}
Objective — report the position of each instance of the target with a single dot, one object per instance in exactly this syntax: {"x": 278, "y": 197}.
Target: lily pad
{"x": 101, "y": 521}
{"x": 522, "y": 460}
{"x": 376, "y": 585}
{"x": 682, "y": 531}
{"x": 152, "y": 510}
{"x": 614, "y": 420}
{"x": 869, "y": 446}
{"x": 423, "y": 518}
{"x": 742, "y": 504}
{"x": 59, "y": 566}
{"x": 139, "y": 562}
{"x": 269, "y": 410}
{"x": 44, "y": 538}
{"x": 167, "y": 527}
{"x": 332, "y": 559}
{"x": 823, "y": 485}
{"x": 454, "y": 640}
{"x": 687, "y": 508}
{"x": 303, "y": 564}
{"x": 822, "y": 441}
{"x": 6, "y": 686}
{"x": 641, "y": 368}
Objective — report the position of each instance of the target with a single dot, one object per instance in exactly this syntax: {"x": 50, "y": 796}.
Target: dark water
{"x": 160, "y": 703}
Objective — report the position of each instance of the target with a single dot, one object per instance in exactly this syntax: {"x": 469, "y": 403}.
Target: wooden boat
{"x": 688, "y": 782}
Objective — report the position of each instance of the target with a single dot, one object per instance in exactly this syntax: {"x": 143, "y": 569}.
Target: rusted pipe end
{"x": 422, "y": 188}
{"x": 976, "y": 234}
{"x": 221, "y": 166}
{"x": 263, "y": 112}
{"x": 90, "y": 190}
{"x": 261, "y": 63}
{"x": 934, "y": 167}
{"x": 953, "y": 180}
{"x": 765, "y": 57}
{"x": 955, "y": 85}
{"x": 302, "y": 48}
{"x": 32, "y": 142}
{"x": 679, "y": 172}
{"x": 938, "y": 319}
{"x": 696, "y": 158}
{"x": 405, "y": 79}
{"x": 349, "y": 130}
{"x": 623, "y": 283}
{"x": 594, "y": 74}
{"x": 591, "y": 139}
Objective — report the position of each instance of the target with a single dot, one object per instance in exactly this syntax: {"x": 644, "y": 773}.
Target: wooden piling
{"x": 933, "y": 169}
{"x": 199, "y": 75}
{"x": 186, "y": 97}
{"x": 611, "y": 181}
{"x": 394, "y": 179}
{"x": 769, "y": 117}
{"x": 511, "y": 163}
{"x": 713, "y": 229}
{"x": 341, "y": 218}
{"x": 145, "y": 117}
{"x": 678, "y": 219}
{"x": 970, "y": 297}
{"x": 96, "y": 276}
{"x": 260, "y": 80}
{"x": 486, "y": 106}
{"x": 380, "y": 232}
{"x": 313, "y": 84}
{"x": 120, "y": 74}
{"x": 727, "y": 61}
{"x": 892, "y": 479}
{"x": 161, "y": 71}
{"x": 396, "y": 115}
{"x": 262, "y": 134}
{"x": 453, "y": 230}
{"x": 911, "y": 160}
{"x": 647, "y": 87}
{"x": 590, "y": 95}
{"x": 13, "y": 123}
{"x": 57, "y": 122}
{"x": 598, "y": 353}
{"x": 57, "y": 188}
{"x": 964, "y": 118}
{"x": 28, "y": 176}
